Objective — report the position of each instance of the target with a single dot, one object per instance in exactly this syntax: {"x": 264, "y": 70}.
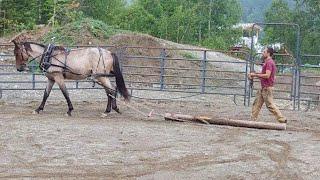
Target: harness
{"x": 46, "y": 58}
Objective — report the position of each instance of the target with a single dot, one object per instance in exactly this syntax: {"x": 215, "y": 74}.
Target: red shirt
{"x": 271, "y": 66}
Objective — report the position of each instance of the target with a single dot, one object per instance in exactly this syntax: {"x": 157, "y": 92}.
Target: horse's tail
{"x": 121, "y": 86}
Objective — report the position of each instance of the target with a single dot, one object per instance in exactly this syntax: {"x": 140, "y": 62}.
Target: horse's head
{"x": 21, "y": 55}
{"x": 20, "y": 51}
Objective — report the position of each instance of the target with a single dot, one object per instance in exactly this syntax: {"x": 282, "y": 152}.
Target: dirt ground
{"x": 130, "y": 146}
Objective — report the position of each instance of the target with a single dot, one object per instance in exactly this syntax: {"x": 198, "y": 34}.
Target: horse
{"x": 59, "y": 63}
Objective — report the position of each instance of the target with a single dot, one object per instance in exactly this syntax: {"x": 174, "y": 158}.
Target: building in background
{"x": 248, "y": 30}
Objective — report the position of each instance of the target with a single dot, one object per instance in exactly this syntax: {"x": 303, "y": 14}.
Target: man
{"x": 265, "y": 94}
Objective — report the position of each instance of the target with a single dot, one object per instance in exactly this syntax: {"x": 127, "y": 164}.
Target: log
{"x": 225, "y": 121}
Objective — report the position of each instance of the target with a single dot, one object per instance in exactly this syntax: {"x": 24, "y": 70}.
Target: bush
{"x": 81, "y": 32}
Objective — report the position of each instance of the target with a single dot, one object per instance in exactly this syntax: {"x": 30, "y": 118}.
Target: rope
{"x": 181, "y": 97}
{"x": 142, "y": 113}
{"x": 151, "y": 111}
{"x": 131, "y": 107}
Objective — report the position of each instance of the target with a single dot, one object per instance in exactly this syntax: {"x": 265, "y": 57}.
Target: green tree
{"x": 65, "y": 11}
{"x": 182, "y": 26}
{"x": 308, "y": 17}
{"x": 217, "y": 19}
{"x": 24, "y": 14}
{"x": 306, "y": 14}
{"x": 184, "y": 21}
{"x": 279, "y": 12}
{"x": 136, "y": 18}
{"x": 104, "y": 10}
{"x": 19, "y": 15}
{"x": 44, "y": 11}
{"x": 206, "y": 22}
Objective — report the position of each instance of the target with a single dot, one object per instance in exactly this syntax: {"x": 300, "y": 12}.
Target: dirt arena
{"x": 131, "y": 146}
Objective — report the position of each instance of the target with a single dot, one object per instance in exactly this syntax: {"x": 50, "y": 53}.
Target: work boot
{"x": 282, "y": 120}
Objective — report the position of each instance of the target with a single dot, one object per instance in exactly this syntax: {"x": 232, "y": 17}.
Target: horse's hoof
{"x": 103, "y": 115}
{"x": 68, "y": 114}
{"x": 37, "y": 111}
{"x": 117, "y": 110}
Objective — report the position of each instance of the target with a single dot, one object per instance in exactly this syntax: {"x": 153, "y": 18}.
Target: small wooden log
{"x": 224, "y": 121}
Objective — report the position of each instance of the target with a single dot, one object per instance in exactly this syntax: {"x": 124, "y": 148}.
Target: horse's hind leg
{"x": 114, "y": 103}
{"x": 110, "y": 93}
{"x": 45, "y": 95}
{"x": 109, "y": 103}
{"x": 60, "y": 81}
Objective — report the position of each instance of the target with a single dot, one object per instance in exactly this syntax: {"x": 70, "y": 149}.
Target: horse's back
{"x": 87, "y": 61}
{"x": 100, "y": 59}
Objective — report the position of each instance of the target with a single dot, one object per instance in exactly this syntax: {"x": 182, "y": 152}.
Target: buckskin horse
{"x": 59, "y": 63}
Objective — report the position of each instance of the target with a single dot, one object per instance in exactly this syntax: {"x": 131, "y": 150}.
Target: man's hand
{"x": 251, "y": 75}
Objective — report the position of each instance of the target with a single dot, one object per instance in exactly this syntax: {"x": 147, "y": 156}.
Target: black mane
{"x": 28, "y": 44}
{"x": 28, "y": 47}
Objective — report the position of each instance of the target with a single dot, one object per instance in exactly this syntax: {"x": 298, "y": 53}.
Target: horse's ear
{"x": 14, "y": 42}
{"x": 21, "y": 37}
{"x": 27, "y": 46}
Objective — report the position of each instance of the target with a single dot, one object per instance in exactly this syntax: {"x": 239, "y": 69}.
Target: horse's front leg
{"x": 63, "y": 88}
{"x": 45, "y": 95}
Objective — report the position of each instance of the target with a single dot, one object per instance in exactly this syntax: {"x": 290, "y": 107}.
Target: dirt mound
{"x": 140, "y": 44}
{"x": 134, "y": 40}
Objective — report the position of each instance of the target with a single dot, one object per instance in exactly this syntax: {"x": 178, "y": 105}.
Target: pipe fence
{"x": 193, "y": 71}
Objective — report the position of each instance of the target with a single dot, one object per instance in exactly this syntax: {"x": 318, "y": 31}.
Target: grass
{"x": 188, "y": 55}
{"x": 315, "y": 71}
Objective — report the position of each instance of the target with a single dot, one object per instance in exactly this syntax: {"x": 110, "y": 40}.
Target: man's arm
{"x": 259, "y": 75}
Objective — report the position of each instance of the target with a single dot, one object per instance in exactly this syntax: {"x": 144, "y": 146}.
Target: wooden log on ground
{"x": 225, "y": 121}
